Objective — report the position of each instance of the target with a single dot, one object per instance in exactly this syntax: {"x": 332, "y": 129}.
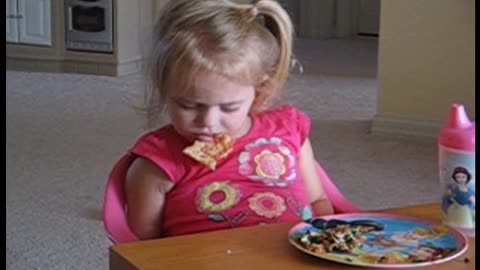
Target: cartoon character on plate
{"x": 426, "y": 253}
{"x": 403, "y": 241}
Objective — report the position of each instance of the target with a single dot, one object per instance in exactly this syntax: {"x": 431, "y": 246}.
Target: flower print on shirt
{"x": 217, "y": 197}
{"x": 267, "y": 204}
{"x": 268, "y": 160}
{"x": 270, "y": 165}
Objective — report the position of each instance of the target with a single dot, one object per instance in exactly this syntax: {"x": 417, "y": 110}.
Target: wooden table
{"x": 258, "y": 247}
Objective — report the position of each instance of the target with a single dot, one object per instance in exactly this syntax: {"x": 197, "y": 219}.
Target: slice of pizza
{"x": 209, "y": 152}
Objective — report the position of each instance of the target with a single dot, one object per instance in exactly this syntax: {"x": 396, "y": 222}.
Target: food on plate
{"x": 210, "y": 152}
{"x": 337, "y": 236}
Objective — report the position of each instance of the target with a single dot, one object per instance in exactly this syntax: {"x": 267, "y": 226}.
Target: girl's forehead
{"x": 211, "y": 86}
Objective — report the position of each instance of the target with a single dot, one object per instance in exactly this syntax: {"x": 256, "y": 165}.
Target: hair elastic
{"x": 252, "y": 13}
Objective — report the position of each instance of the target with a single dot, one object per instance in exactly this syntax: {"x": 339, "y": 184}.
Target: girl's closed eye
{"x": 230, "y": 109}
{"x": 187, "y": 105}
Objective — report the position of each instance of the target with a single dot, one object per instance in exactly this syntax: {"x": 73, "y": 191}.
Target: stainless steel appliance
{"x": 89, "y": 25}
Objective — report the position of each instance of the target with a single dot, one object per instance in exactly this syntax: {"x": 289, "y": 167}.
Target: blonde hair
{"x": 247, "y": 43}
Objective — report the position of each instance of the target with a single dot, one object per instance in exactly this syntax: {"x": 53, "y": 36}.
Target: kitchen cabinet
{"x": 132, "y": 23}
{"x": 28, "y": 22}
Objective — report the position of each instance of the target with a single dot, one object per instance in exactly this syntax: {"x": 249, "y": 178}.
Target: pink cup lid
{"x": 459, "y": 132}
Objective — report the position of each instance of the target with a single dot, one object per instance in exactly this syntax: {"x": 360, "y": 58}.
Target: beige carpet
{"x": 64, "y": 131}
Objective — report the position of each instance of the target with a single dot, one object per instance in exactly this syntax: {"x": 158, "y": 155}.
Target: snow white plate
{"x": 378, "y": 240}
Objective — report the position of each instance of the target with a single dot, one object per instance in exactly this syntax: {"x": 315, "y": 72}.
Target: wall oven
{"x": 88, "y": 25}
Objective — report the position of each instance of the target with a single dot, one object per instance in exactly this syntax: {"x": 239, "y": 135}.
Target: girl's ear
{"x": 263, "y": 82}
{"x": 266, "y": 91}
{"x": 264, "y": 85}
{"x": 259, "y": 101}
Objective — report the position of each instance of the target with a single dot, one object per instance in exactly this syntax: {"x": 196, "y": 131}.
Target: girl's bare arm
{"x": 313, "y": 185}
{"x": 145, "y": 189}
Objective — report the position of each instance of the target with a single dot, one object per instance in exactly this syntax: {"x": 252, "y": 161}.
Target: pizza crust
{"x": 210, "y": 152}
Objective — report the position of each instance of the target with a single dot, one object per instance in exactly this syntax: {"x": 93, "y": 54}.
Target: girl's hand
{"x": 322, "y": 207}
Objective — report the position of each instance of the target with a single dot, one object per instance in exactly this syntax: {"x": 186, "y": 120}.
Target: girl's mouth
{"x": 204, "y": 137}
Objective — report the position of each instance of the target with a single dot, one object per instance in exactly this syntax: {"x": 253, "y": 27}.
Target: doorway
{"x": 325, "y": 19}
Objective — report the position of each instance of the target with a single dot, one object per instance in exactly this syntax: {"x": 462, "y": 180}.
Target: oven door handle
{"x": 70, "y": 28}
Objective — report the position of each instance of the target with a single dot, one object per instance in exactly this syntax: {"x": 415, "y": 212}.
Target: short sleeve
{"x": 157, "y": 146}
{"x": 298, "y": 121}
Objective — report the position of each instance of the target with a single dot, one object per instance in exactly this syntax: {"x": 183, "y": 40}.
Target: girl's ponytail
{"x": 278, "y": 22}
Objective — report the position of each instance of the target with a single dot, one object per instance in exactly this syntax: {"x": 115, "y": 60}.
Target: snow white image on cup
{"x": 459, "y": 200}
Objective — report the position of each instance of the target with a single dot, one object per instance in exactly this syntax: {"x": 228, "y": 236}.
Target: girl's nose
{"x": 207, "y": 117}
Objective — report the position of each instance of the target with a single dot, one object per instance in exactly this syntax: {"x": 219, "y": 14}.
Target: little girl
{"x": 218, "y": 68}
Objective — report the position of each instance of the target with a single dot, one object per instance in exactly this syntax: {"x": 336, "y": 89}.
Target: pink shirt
{"x": 258, "y": 182}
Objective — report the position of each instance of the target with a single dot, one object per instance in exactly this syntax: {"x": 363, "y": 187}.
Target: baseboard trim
{"x": 405, "y": 127}
{"x": 75, "y": 66}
